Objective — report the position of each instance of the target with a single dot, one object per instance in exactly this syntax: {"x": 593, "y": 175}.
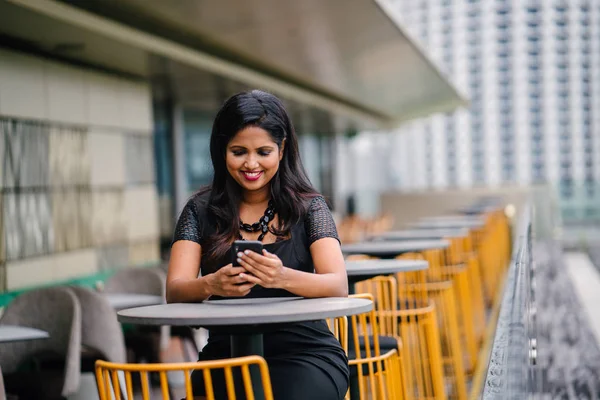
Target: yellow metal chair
{"x": 382, "y": 382}
{"x": 468, "y": 298}
{"x": 467, "y": 256}
{"x": 108, "y": 380}
{"x": 441, "y": 290}
{"x": 339, "y": 328}
{"x": 416, "y": 324}
{"x": 492, "y": 244}
{"x": 365, "y": 356}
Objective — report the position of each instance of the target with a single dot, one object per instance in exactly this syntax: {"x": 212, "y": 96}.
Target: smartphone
{"x": 243, "y": 245}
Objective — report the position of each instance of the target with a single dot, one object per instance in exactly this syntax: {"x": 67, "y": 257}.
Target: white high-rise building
{"x": 532, "y": 71}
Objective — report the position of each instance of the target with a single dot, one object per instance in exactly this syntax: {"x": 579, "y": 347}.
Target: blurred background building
{"x": 532, "y": 72}
{"x": 106, "y": 109}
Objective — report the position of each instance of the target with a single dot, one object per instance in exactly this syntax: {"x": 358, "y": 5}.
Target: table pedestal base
{"x": 248, "y": 345}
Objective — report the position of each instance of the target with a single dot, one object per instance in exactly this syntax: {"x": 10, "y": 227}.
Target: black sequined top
{"x": 196, "y": 224}
{"x": 310, "y": 343}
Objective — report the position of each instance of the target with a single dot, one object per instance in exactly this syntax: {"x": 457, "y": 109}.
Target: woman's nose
{"x": 251, "y": 162}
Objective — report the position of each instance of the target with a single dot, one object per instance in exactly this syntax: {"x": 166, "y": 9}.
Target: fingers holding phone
{"x": 228, "y": 282}
{"x": 241, "y": 246}
{"x": 264, "y": 269}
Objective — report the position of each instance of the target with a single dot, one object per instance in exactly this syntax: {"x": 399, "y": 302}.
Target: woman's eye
{"x": 238, "y": 152}
{"x": 264, "y": 153}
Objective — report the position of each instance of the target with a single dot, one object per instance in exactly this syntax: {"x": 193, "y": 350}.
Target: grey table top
{"x": 447, "y": 223}
{"x": 121, "y": 301}
{"x": 393, "y": 247}
{"x": 412, "y": 234}
{"x": 383, "y": 267}
{"x": 479, "y": 209}
{"x": 454, "y": 217}
{"x": 244, "y": 311}
{"x": 13, "y": 333}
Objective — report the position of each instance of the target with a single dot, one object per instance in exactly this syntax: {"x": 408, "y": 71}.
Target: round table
{"x": 448, "y": 223}
{"x": 121, "y": 301}
{"x": 454, "y": 217}
{"x": 477, "y": 210}
{"x": 244, "y": 312}
{"x": 243, "y": 318}
{"x": 14, "y": 333}
{"x": 391, "y": 249}
{"x": 412, "y": 234}
{"x": 361, "y": 270}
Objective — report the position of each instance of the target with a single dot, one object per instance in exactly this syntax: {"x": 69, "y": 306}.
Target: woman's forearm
{"x": 306, "y": 284}
{"x": 188, "y": 291}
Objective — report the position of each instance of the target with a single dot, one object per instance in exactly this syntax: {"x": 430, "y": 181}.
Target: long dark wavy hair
{"x": 291, "y": 190}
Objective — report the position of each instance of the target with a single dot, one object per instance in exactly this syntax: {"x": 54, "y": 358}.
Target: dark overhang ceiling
{"x": 345, "y": 56}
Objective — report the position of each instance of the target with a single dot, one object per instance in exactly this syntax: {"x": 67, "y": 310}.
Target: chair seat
{"x": 386, "y": 343}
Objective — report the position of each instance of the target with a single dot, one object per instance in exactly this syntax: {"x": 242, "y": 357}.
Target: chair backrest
{"x": 339, "y": 327}
{"x": 385, "y": 293}
{"x": 365, "y": 326}
{"x": 411, "y": 285}
{"x": 383, "y": 378}
{"x": 100, "y": 329}
{"x": 55, "y": 310}
{"x": 107, "y": 376}
{"x": 141, "y": 280}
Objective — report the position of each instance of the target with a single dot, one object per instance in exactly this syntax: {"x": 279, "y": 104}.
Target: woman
{"x": 258, "y": 176}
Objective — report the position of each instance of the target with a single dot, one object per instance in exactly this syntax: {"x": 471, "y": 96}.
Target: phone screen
{"x": 243, "y": 245}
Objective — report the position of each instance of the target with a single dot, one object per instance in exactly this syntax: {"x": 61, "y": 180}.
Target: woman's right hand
{"x": 226, "y": 282}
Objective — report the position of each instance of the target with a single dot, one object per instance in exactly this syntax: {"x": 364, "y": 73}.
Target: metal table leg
{"x": 248, "y": 345}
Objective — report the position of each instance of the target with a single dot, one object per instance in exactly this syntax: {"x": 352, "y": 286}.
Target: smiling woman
{"x": 258, "y": 176}
{"x": 253, "y": 158}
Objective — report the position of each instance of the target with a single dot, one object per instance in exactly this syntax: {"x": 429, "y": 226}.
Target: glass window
{"x": 311, "y": 158}
{"x": 163, "y": 149}
{"x": 197, "y": 129}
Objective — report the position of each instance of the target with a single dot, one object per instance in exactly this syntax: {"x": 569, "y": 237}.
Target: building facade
{"x": 106, "y": 111}
{"x": 77, "y": 180}
{"x": 532, "y": 71}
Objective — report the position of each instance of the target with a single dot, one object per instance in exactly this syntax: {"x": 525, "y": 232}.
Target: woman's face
{"x": 252, "y": 158}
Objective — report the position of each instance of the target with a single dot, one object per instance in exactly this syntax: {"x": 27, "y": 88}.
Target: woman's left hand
{"x": 265, "y": 269}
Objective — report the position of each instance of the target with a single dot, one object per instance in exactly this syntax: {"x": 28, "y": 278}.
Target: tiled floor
{"x": 568, "y": 350}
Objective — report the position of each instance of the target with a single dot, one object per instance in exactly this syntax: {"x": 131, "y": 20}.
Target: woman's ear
{"x": 281, "y": 149}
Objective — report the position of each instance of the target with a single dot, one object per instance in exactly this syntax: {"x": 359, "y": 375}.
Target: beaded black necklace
{"x": 262, "y": 225}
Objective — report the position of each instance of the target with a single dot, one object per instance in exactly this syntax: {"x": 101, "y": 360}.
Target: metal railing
{"x": 511, "y": 370}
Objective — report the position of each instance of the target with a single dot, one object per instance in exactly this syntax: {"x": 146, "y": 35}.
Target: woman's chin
{"x": 252, "y": 186}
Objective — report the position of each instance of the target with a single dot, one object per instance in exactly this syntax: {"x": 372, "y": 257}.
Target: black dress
{"x": 305, "y": 360}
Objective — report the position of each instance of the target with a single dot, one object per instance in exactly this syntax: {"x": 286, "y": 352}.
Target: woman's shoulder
{"x": 316, "y": 208}
{"x": 317, "y": 203}
{"x": 191, "y": 225}
{"x": 319, "y": 222}
{"x": 198, "y": 202}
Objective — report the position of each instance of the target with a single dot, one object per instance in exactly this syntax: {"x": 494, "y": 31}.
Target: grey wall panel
{"x": 112, "y": 257}
{"x": 69, "y": 157}
{"x": 2, "y": 277}
{"x": 139, "y": 159}
{"x": 2, "y": 155}
{"x": 25, "y": 154}
{"x": 2, "y": 254}
{"x": 71, "y": 211}
{"x": 108, "y": 224}
{"x": 28, "y": 224}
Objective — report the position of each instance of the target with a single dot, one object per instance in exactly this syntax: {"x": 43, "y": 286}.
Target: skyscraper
{"x": 532, "y": 71}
